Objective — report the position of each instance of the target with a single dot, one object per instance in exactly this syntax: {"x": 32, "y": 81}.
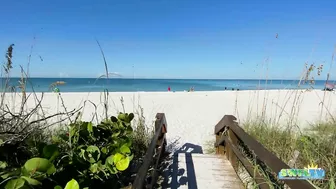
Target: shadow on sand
{"x": 173, "y": 176}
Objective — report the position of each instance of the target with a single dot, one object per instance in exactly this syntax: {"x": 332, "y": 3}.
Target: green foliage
{"x": 16, "y": 184}
{"x": 314, "y": 144}
{"x": 84, "y": 154}
{"x": 33, "y": 172}
{"x": 38, "y": 166}
{"x": 3, "y": 165}
{"x": 93, "y": 147}
{"x": 72, "y": 184}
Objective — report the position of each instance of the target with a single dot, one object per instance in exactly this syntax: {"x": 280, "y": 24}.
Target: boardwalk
{"x": 198, "y": 171}
{"x": 190, "y": 168}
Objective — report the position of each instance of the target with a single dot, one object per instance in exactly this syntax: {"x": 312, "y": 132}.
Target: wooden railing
{"x": 231, "y": 139}
{"x": 153, "y": 154}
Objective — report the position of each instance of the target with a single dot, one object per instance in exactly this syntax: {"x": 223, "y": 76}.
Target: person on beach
{"x": 168, "y": 88}
{"x": 329, "y": 87}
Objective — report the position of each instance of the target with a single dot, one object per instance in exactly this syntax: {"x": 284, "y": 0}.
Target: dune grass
{"x": 314, "y": 146}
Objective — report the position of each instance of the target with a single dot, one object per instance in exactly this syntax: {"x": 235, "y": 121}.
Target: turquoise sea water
{"x": 129, "y": 85}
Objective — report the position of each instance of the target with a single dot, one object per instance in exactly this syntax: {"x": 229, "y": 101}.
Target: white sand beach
{"x": 191, "y": 116}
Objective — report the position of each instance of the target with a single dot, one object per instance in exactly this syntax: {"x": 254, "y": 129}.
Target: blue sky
{"x": 170, "y": 38}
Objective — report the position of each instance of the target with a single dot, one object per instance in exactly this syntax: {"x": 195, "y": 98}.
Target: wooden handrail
{"x": 228, "y": 133}
{"x": 155, "y": 150}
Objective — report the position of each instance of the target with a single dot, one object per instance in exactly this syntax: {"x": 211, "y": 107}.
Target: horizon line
{"x": 37, "y": 77}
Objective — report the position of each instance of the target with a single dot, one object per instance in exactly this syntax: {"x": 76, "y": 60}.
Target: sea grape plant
{"x": 85, "y": 153}
{"x": 98, "y": 151}
{"x": 33, "y": 172}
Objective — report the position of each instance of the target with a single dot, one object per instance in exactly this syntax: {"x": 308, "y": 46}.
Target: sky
{"x": 224, "y": 39}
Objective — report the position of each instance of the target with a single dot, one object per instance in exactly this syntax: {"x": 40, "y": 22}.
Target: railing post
{"x": 219, "y": 129}
{"x": 230, "y": 155}
{"x": 220, "y": 149}
{"x": 158, "y": 144}
{"x": 161, "y": 119}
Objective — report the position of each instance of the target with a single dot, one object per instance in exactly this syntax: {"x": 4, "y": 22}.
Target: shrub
{"x": 93, "y": 155}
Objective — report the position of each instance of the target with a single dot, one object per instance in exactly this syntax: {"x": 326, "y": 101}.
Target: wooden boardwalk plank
{"x": 198, "y": 171}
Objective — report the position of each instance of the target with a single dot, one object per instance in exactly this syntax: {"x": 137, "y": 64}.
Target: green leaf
{"x": 72, "y": 132}
{"x": 92, "y": 149}
{"x": 129, "y": 129}
{"x": 121, "y": 125}
{"x": 3, "y": 165}
{"x": 102, "y": 127}
{"x": 58, "y": 187}
{"x": 94, "y": 168}
{"x": 122, "y": 164}
{"x": 39, "y": 164}
{"x": 122, "y": 117}
{"x": 50, "y": 152}
{"x": 114, "y": 119}
{"x": 130, "y": 117}
{"x": 89, "y": 127}
{"x": 82, "y": 154}
{"x": 1, "y": 142}
{"x": 15, "y": 172}
{"x": 130, "y": 158}
{"x": 31, "y": 181}
{"x": 51, "y": 170}
{"x": 125, "y": 149}
{"x": 15, "y": 184}
{"x": 121, "y": 161}
{"x": 117, "y": 157}
{"x": 72, "y": 184}
{"x": 112, "y": 169}
{"x": 94, "y": 153}
{"x": 109, "y": 160}
{"x": 104, "y": 150}
{"x": 128, "y": 142}
{"x": 115, "y": 134}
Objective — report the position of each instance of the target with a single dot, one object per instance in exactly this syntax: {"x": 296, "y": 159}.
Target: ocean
{"x": 131, "y": 85}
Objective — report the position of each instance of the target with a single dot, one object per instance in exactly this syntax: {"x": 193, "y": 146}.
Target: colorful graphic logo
{"x": 311, "y": 172}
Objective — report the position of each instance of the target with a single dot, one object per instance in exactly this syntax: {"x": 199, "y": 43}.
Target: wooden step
{"x": 198, "y": 171}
